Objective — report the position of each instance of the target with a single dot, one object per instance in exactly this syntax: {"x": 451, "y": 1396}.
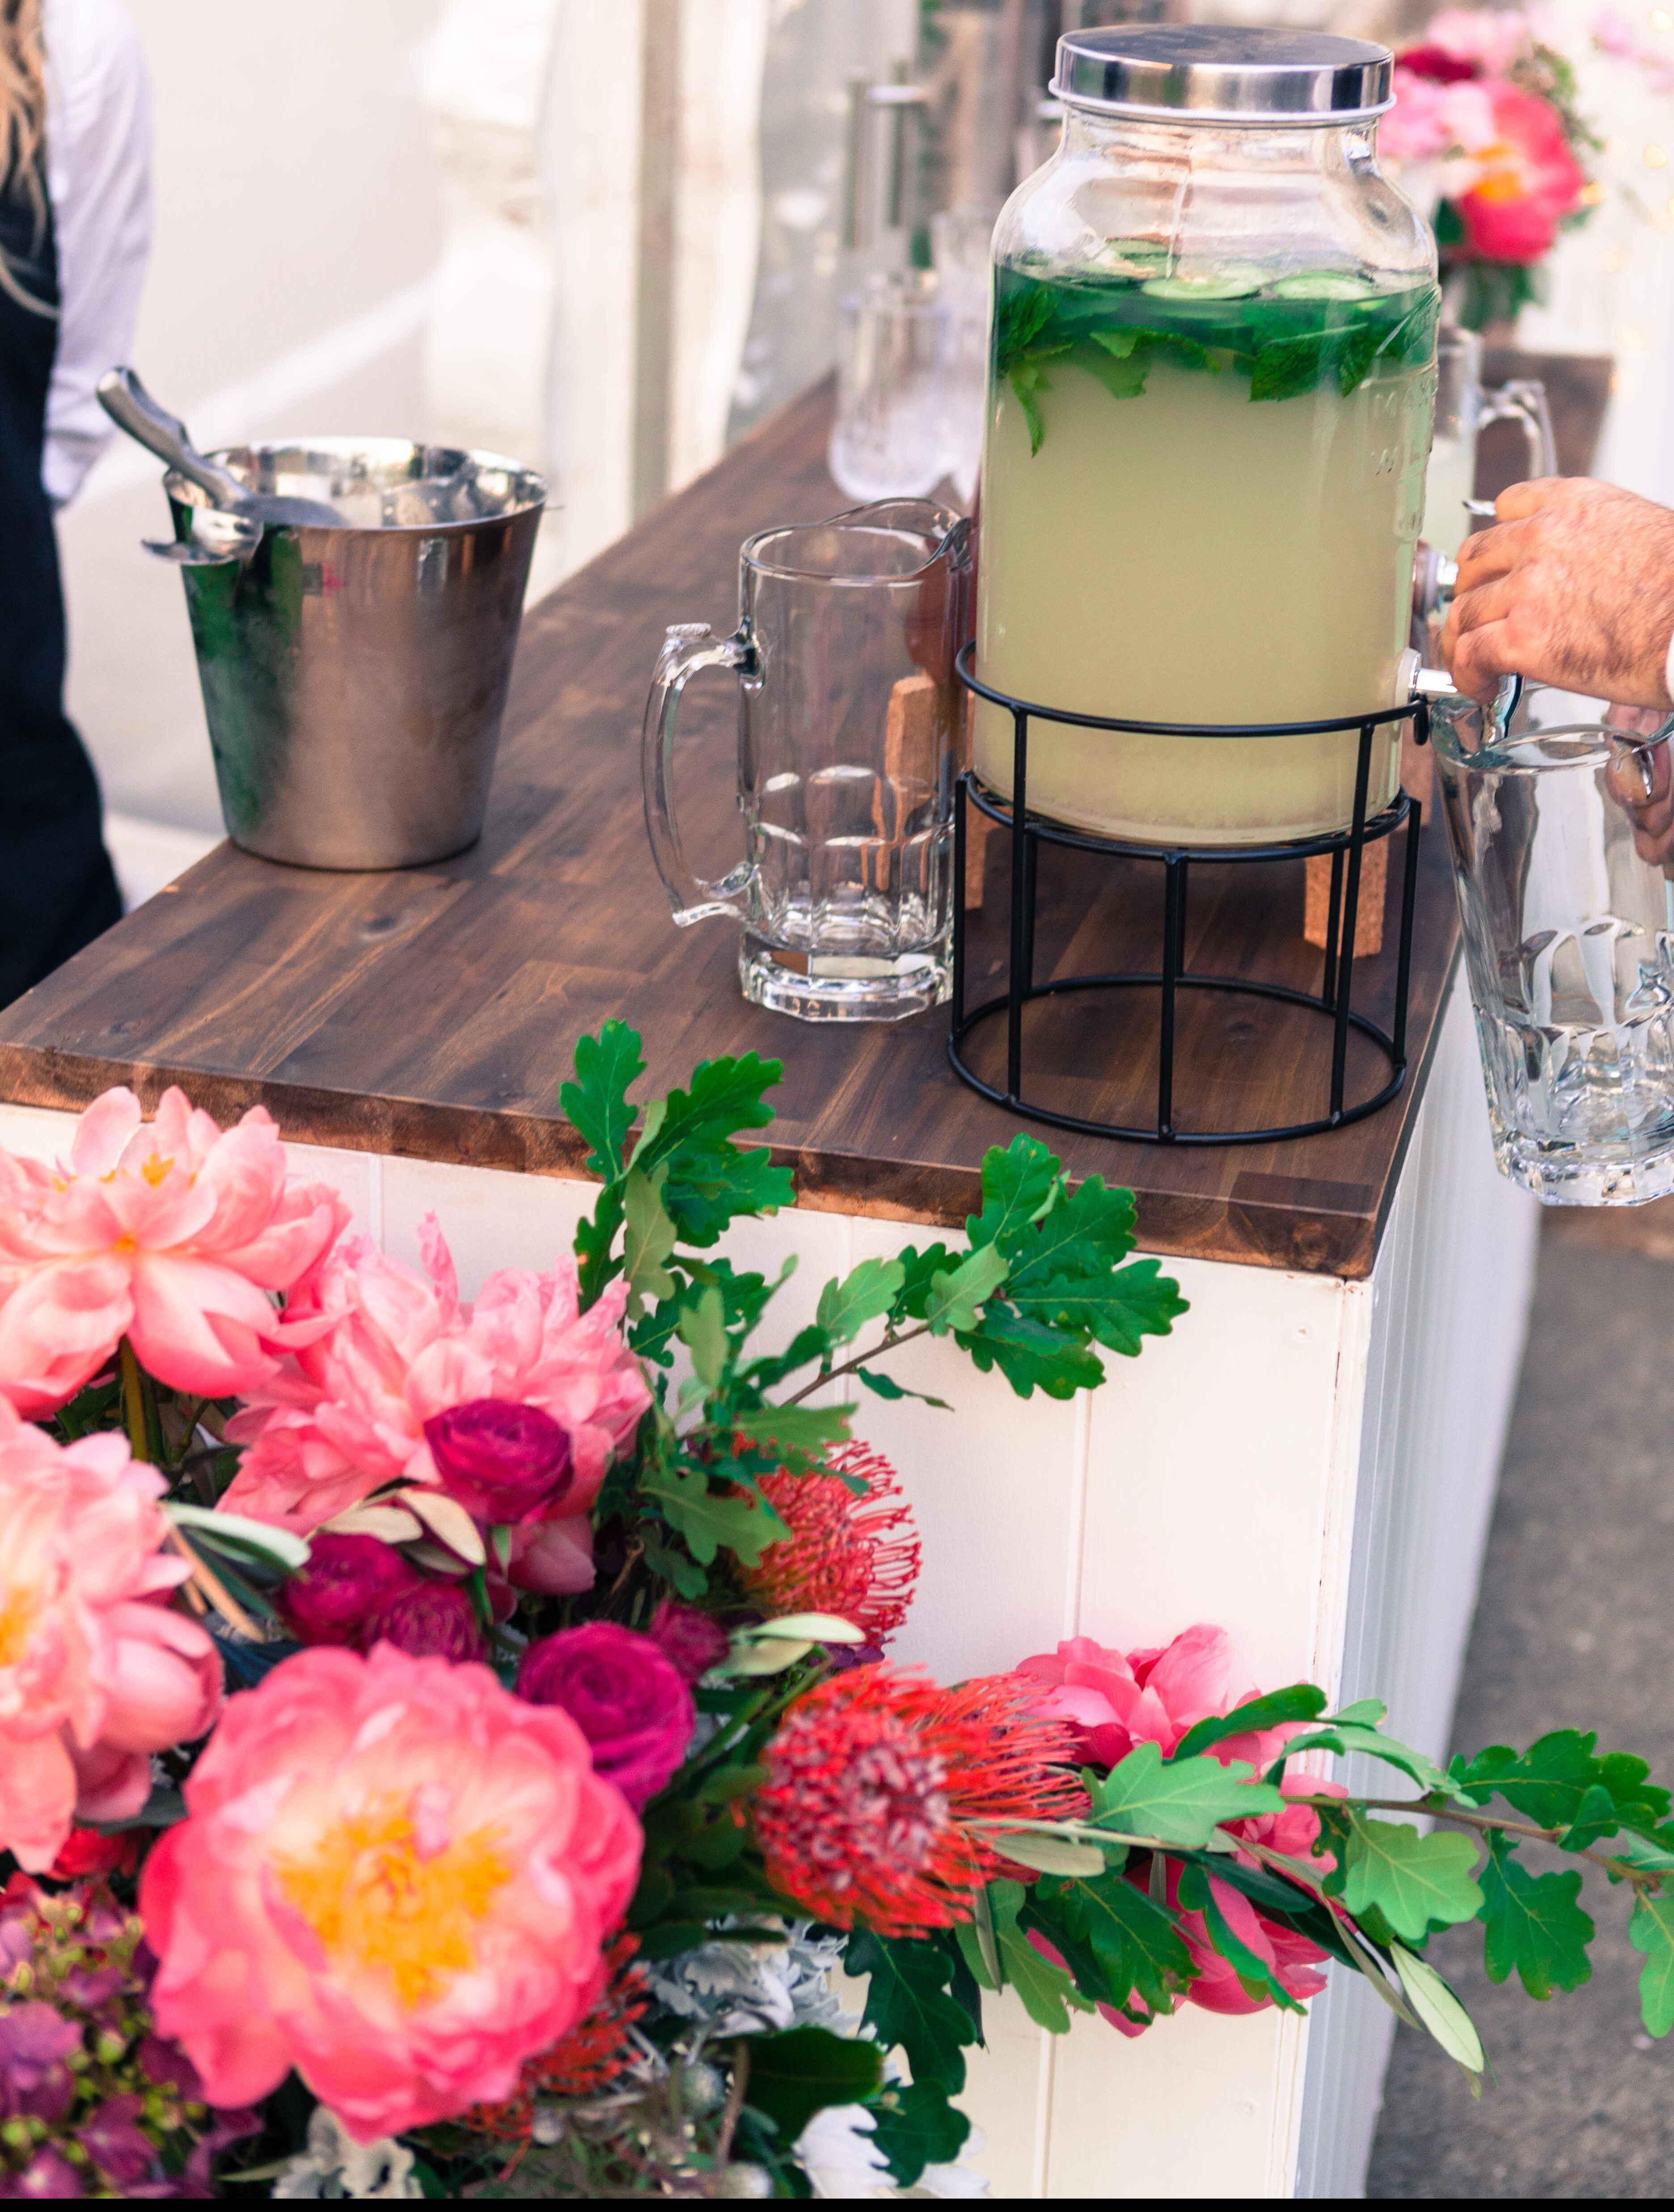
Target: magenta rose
{"x": 346, "y": 1581}
{"x": 503, "y": 1462}
{"x": 437, "y": 1620}
{"x": 695, "y": 1641}
{"x": 626, "y": 1697}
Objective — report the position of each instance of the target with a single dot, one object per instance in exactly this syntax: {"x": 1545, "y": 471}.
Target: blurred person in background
{"x": 74, "y": 230}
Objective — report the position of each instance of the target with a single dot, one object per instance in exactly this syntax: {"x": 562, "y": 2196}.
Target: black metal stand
{"x": 1346, "y": 847}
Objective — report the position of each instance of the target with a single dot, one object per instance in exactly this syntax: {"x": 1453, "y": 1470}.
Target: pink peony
{"x": 389, "y": 1350}
{"x": 1524, "y": 183}
{"x": 1151, "y": 1696}
{"x": 624, "y": 1693}
{"x": 96, "y": 1673}
{"x": 1116, "y": 1700}
{"x": 394, "y": 1876}
{"x": 1430, "y": 119}
{"x": 174, "y": 1234}
{"x": 1488, "y": 39}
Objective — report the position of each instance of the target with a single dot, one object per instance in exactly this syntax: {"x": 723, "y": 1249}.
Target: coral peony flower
{"x": 393, "y": 1351}
{"x": 854, "y": 1555}
{"x": 1431, "y": 118}
{"x": 435, "y": 1621}
{"x": 394, "y": 1876}
{"x": 623, "y": 1692}
{"x": 172, "y": 1234}
{"x": 1526, "y": 182}
{"x": 344, "y": 1582}
{"x": 873, "y": 1779}
{"x": 95, "y": 1674}
{"x": 695, "y": 1641}
{"x": 502, "y": 1463}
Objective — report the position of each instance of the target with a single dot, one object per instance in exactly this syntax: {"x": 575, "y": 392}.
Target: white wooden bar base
{"x": 1308, "y": 1461}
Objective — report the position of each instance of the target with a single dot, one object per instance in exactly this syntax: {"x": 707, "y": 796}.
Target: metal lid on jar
{"x": 1223, "y": 73}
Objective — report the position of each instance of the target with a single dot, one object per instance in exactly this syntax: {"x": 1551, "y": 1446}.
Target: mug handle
{"x": 687, "y": 647}
{"x": 1523, "y": 400}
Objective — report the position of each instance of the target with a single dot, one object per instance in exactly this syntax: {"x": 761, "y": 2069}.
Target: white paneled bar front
{"x": 1308, "y": 1461}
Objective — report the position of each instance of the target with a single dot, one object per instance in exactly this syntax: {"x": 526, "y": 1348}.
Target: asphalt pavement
{"x": 1574, "y": 1628}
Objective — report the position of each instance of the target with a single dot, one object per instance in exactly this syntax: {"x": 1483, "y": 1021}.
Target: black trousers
{"x": 56, "y": 889}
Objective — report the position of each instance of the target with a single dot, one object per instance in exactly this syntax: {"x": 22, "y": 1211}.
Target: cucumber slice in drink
{"x": 1323, "y": 284}
{"x": 1232, "y": 284}
{"x": 1144, "y": 252}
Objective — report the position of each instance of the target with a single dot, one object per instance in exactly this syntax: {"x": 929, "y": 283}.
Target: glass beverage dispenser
{"x": 1209, "y": 407}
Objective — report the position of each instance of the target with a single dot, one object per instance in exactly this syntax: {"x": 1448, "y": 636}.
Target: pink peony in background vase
{"x": 388, "y": 1351}
{"x": 1525, "y": 181}
{"x": 96, "y": 1673}
{"x": 172, "y": 1233}
{"x": 394, "y": 1876}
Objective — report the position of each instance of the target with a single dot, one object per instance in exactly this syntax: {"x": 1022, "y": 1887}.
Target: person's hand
{"x": 1573, "y": 587}
{"x": 1639, "y": 781}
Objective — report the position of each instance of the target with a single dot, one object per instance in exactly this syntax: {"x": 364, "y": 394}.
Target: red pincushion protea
{"x": 874, "y": 1779}
{"x": 850, "y": 1554}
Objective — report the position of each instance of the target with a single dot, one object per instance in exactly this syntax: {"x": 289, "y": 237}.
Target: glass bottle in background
{"x": 1213, "y": 374}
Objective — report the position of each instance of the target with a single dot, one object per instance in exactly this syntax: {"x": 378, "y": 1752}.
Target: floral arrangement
{"x": 1486, "y": 127}
{"x": 450, "y": 1747}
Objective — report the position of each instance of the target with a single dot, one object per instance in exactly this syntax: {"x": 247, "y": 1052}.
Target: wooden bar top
{"x": 434, "y": 1011}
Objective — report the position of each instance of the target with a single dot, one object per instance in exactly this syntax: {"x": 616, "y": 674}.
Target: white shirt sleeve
{"x": 99, "y": 179}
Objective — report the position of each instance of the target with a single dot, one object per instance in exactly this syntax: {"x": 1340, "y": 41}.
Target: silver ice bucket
{"x": 354, "y": 677}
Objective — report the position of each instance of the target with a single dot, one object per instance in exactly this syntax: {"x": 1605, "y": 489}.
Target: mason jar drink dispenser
{"x": 1211, "y": 393}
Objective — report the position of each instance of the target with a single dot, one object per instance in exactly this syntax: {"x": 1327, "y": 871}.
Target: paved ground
{"x": 1574, "y": 1628}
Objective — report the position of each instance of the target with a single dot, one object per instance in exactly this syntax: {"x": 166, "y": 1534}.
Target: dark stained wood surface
{"x": 434, "y": 1011}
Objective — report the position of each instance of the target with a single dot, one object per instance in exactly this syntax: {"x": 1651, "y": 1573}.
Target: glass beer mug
{"x": 850, "y": 727}
{"x": 1463, "y": 411}
{"x": 1560, "y": 814}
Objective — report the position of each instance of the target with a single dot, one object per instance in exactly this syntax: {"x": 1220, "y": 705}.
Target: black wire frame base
{"x": 1333, "y": 1003}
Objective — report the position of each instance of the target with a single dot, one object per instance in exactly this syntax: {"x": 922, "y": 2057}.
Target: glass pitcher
{"x": 1212, "y": 377}
{"x": 1560, "y": 818}
{"x": 850, "y": 727}
{"x": 1463, "y": 411}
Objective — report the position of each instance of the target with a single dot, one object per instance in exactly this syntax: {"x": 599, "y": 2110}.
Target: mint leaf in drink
{"x": 1122, "y": 376}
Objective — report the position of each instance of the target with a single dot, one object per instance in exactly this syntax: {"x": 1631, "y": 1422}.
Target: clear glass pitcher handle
{"x": 1523, "y": 400}
{"x": 687, "y": 647}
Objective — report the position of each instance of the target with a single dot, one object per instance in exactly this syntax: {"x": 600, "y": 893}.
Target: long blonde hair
{"x": 22, "y": 129}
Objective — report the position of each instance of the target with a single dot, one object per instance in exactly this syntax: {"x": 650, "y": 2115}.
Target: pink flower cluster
{"x": 382, "y": 1351}
{"x": 96, "y": 1671}
{"x": 1115, "y": 1700}
{"x": 172, "y": 1233}
{"x": 1506, "y": 164}
{"x": 394, "y": 1876}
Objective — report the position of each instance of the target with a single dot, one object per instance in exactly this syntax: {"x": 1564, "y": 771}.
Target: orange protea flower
{"x": 855, "y": 1555}
{"x": 874, "y": 1778}
{"x": 584, "y": 2062}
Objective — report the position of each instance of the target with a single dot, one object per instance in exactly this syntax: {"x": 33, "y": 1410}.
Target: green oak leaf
{"x": 885, "y": 1386}
{"x": 1048, "y": 1994}
{"x": 1346, "y": 1737}
{"x": 1182, "y": 1802}
{"x": 909, "y": 2006}
{"x": 1119, "y": 1310}
{"x": 794, "y": 2074}
{"x": 596, "y": 1104}
{"x": 1533, "y": 1924}
{"x": 1303, "y": 1701}
{"x": 955, "y": 1295}
{"x": 1031, "y": 1356}
{"x": 1135, "y": 1944}
{"x": 794, "y": 1428}
{"x": 1417, "y": 1882}
{"x": 702, "y": 1329}
{"x": 713, "y": 1521}
{"x": 1548, "y": 1783}
{"x": 1651, "y": 1930}
{"x": 650, "y": 1241}
{"x": 915, "y": 2126}
{"x": 1018, "y": 1186}
{"x": 867, "y": 1292}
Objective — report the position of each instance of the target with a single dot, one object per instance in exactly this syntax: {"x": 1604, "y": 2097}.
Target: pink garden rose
{"x": 394, "y": 1876}
{"x": 389, "y": 1350}
{"x": 172, "y": 1233}
{"x": 96, "y": 1673}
